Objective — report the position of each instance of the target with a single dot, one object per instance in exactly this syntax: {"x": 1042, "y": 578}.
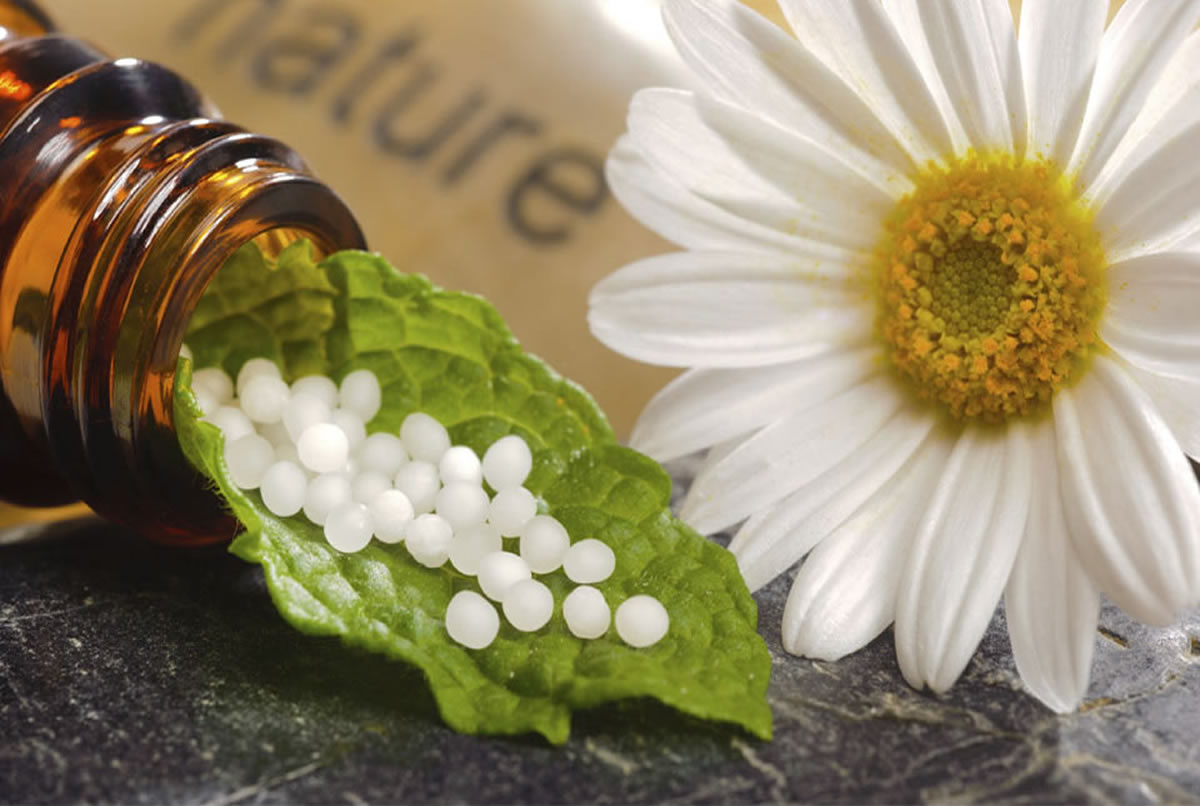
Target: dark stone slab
{"x": 140, "y": 674}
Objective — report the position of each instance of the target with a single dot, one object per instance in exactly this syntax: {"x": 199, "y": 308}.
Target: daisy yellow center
{"x": 991, "y": 284}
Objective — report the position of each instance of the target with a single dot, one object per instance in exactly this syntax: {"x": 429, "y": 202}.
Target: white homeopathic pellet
{"x": 276, "y": 433}
{"x": 471, "y": 544}
{"x": 348, "y": 527}
{"x": 544, "y": 541}
{"x": 589, "y": 561}
{"x": 323, "y": 494}
{"x": 254, "y": 368}
{"x": 265, "y": 398}
{"x": 511, "y": 509}
{"x": 642, "y": 621}
{"x": 462, "y": 504}
{"x": 471, "y": 620}
{"x": 424, "y": 437}
{"x": 323, "y": 448}
{"x": 283, "y": 488}
{"x": 248, "y": 458}
{"x": 318, "y": 386}
{"x": 367, "y": 484}
{"x": 391, "y": 512}
{"x": 215, "y": 381}
{"x": 207, "y": 403}
{"x": 528, "y": 605}
{"x": 360, "y": 393}
{"x": 428, "y": 539}
{"x": 382, "y": 452}
{"x": 232, "y": 421}
{"x": 499, "y": 571}
{"x": 460, "y": 463}
{"x": 586, "y": 612}
{"x": 419, "y": 481}
{"x": 351, "y": 424}
{"x": 506, "y": 463}
{"x": 304, "y": 409}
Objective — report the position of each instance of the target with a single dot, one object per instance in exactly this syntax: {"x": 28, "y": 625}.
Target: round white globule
{"x": 462, "y": 504}
{"x": 428, "y": 539}
{"x": 232, "y": 421}
{"x": 507, "y": 462}
{"x": 460, "y": 463}
{"x": 318, "y": 386}
{"x": 511, "y": 509}
{"x": 348, "y": 527}
{"x": 528, "y": 605}
{"x": 323, "y": 448}
{"x": 265, "y": 398}
{"x": 283, "y": 488}
{"x": 499, "y": 571}
{"x": 419, "y": 481}
{"x": 642, "y": 621}
{"x": 471, "y": 620}
{"x": 383, "y": 453}
{"x": 586, "y": 612}
{"x": 544, "y": 541}
{"x": 360, "y": 392}
{"x": 286, "y": 451}
{"x": 247, "y": 458}
{"x": 471, "y": 544}
{"x": 304, "y": 410}
{"x": 367, "y": 484}
{"x": 323, "y": 494}
{"x": 424, "y": 437}
{"x": 351, "y": 424}
{"x": 589, "y": 561}
{"x": 255, "y": 368}
{"x": 207, "y": 403}
{"x": 392, "y": 512}
{"x": 215, "y": 381}
{"x": 276, "y": 433}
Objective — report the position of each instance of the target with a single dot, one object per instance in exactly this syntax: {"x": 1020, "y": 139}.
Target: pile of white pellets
{"x": 305, "y": 448}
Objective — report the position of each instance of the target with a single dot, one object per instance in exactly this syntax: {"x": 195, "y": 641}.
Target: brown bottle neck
{"x": 126, "y": 198}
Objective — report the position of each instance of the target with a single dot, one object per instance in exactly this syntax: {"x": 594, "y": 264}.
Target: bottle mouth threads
{"x": 128, "y": 197}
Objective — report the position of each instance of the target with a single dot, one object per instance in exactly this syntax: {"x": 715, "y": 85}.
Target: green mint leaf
{"x": 451, "y": 355}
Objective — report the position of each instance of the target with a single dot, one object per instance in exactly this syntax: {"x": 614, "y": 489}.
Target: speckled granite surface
{"x": 139, "y": 674}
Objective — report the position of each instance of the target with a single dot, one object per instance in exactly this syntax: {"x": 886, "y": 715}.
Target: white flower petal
{"x": 665, "y": 126}
{"x": 1051, "y": 604}
{"x": 859, "y": 42}
{"x": 1171, "y": 109}
{"x": 1142, "y": 38}
{"x": 962, "y": 554}
{"x": 788, "y": 454}
{"x": 806, "y": 171}
{"x": 772, "y": 540}
{"x": 1059, "y": 41}
{"x": 1131, "y": 500}
{"x": 720, "y": 309}
{"x": 1178, "y": 401}
{"x": 1156, "y": 206}
{"x": 703, "y": 407}
{"x": 1152, "y": 312}
{"x": 668, "y": 208}
{"x": 969, "y": 48}
{"x": 745, "y": 59}
{"x": 845, "y": 593}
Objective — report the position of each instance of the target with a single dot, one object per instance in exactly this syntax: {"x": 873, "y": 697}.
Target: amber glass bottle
{"x": 121, "y": 194}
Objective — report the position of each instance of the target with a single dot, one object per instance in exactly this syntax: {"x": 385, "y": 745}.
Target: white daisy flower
{"x": 941, "y": 309}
